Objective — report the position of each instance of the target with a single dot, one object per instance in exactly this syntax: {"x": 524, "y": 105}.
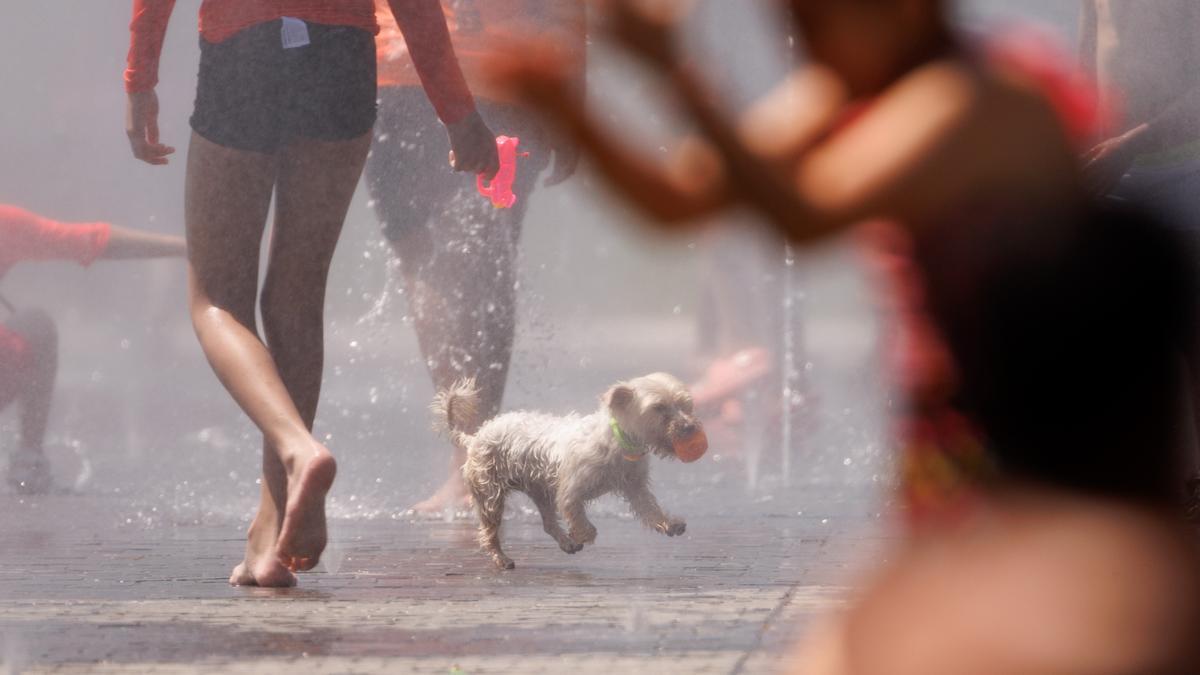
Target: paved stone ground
{"x": 81, "y": 594}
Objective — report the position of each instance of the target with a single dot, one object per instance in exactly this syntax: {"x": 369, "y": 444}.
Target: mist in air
{"x": 139, "y": 416}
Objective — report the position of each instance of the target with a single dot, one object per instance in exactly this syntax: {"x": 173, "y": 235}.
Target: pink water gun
{"x": 500, "y": 189}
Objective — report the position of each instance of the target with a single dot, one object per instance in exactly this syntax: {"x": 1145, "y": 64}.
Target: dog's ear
{"x": 619, "y": 397}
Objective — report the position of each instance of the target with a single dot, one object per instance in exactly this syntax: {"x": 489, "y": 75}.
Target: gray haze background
{"x": 139, "y": 416}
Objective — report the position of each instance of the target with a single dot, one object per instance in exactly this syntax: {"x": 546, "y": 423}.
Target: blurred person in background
{"x": 957, "y": 166}
{"x": 29, "y": 337}
{"x": 1147, "y": 61}
{"x": 285, "y": 104}
{"x": 457, "y": 252}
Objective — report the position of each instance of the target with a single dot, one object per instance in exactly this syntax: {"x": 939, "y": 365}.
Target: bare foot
{"x": 262, "y": 566}
{"x": 266, "y": 572}
{"x": 302, "y": 537}
{"x": 451, "y": 495}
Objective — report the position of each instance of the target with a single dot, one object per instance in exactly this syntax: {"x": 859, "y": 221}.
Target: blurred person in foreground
{"x": 457, "y": 252}
{"x": 956, "y": 166}
{"x": 285, "y": 104}
{"x": 1147, "y": 61}
{"x": 29, "y": 337}
{"x": 1073, "y": 558}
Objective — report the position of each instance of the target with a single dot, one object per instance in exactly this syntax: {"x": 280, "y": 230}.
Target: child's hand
{"x": 141, "y": 126}
{"x": 473, "y": 146}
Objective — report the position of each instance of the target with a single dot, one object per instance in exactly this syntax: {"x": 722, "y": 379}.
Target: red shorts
{"x": 15, "y": 359}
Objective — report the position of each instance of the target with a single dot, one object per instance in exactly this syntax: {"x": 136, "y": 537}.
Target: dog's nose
{"x": 688, "y": 429}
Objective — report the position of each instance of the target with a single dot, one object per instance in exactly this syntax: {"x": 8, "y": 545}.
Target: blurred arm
{"x": 124, "y": 244}
{"x": 690, "y": 185}
{"x": 35, "y": 237}
{"x": 933, "y": 138}
{"x": 927, "y": 143}
{"x": 28, "y": 236}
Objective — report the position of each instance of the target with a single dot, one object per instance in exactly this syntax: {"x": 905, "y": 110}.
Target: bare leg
{"x": 227, "y": 197}
{"x": 314, "y": 187}
{"x": 646, "y": 508}
{"x": 457, "y": 253}
{"x": 464, "y": 306}
{"x": 28, "y": 471}
{"x": 545, "y": 506}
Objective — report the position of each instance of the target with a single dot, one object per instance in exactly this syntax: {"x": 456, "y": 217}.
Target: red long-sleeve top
{"x": 28, "y": 236}
{"x": 421, "y": 21}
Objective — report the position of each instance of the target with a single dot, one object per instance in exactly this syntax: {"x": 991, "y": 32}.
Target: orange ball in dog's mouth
{"x": 691, "y": 448}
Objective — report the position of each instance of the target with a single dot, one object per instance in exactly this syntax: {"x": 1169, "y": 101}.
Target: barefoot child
{"x": 284, "y": 106}
{"x": 28, "y": 337}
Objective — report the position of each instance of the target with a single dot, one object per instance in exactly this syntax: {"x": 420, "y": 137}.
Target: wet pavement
{"x": 83, "y": 591}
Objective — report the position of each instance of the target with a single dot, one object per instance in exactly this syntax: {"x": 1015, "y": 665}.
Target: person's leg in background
{"x": 457, "y": 252}
{"x": 28, "y": 368}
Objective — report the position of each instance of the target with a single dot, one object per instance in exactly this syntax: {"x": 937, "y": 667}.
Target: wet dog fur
{"x": 564, "y": 462}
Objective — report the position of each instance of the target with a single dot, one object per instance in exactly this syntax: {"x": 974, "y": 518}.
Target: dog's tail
{"x": 456, "y": 411}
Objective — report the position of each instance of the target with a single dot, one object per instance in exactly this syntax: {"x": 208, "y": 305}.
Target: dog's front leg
{"x": 579, "y": 528}
{"x": 646, "y": 508}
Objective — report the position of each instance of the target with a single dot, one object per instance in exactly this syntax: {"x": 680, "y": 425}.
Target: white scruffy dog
{"x": 562, "y": 463}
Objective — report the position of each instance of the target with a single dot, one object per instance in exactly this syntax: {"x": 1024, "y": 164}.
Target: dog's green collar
{"x": 631, "y": 453}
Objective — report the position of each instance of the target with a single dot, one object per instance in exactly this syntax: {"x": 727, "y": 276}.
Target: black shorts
{"x": 255, "y": 95}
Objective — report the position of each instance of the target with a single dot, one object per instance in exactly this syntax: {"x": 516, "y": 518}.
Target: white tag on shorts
{"x": 294, "y": 33}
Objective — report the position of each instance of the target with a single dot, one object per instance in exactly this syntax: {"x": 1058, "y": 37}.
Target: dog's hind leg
{"x": 491, "y": 515}
{"x": 545, "y": 506}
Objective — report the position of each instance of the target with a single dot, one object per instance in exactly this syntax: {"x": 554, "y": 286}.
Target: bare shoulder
{"x": 1047, "y": 588}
